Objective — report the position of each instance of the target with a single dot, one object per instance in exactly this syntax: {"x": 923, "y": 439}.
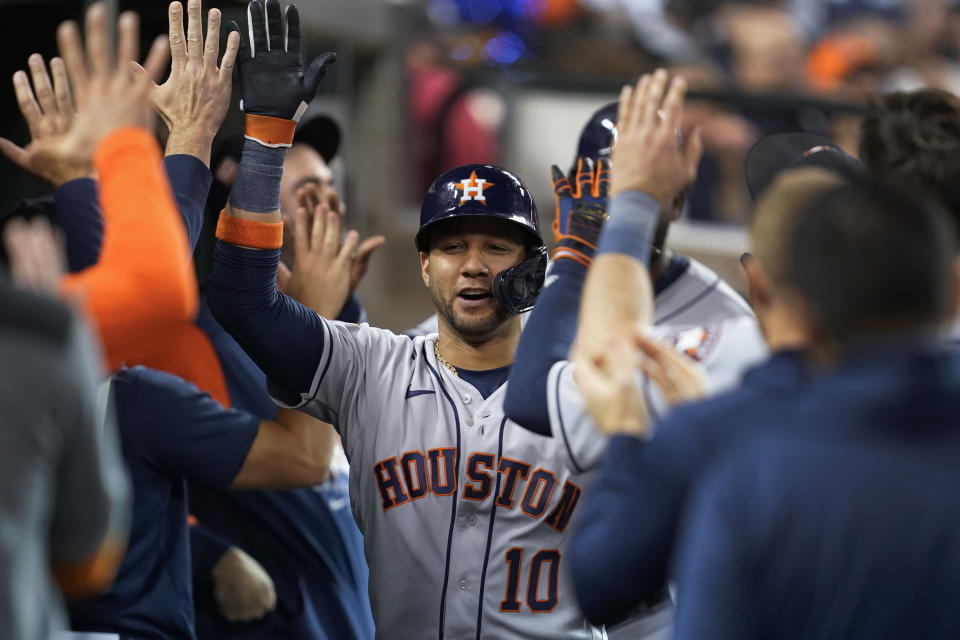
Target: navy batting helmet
{"x": 485, "y": 190}
{"x": 598, "y": 135}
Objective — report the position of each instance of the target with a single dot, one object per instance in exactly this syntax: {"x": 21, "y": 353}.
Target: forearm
{"x": 618, "y": 294}
{"x": 144, "y": 280}
{"x": 317, "y": 441}
{"x": 284, "y": 338}
{"x": 290, "y": 452}
{"x": 256, "y": 190}
{"x": 546, "y": 339}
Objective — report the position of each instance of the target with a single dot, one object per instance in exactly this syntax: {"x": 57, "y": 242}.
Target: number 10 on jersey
{"x": 544, "y": 560}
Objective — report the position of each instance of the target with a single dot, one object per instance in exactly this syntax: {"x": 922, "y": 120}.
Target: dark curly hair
{"x": 913, "y": 140}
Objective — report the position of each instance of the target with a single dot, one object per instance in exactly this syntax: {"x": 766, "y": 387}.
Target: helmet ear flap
{"x": 517, "y": 288}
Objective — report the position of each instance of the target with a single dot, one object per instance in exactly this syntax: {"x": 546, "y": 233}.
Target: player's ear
{"x": 425, "y": 267}
{"x": 758, "y": 290}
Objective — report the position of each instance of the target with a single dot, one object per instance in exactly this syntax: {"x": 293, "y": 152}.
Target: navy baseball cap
{"x": 322, "y": 133}
{"x": 782, "y": 151}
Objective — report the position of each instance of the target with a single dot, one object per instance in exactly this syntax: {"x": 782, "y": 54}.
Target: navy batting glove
{"x": 581, "y": 211}
{"x": 272, "y": 80}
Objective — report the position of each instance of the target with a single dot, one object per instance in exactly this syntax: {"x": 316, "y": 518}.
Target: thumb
{"x": 561, "y": 186}
{"x": 136, "y": 71}
{"x": 315, "y": 73}
{"x": 138, "y": 74}
{"x": 370, "y": 245}
{"x": 157, "y": 58}
{"x": 16, "y": 154}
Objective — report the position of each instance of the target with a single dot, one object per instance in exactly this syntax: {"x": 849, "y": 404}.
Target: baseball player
{"x": 693, "y": 309}
{"x": 464, "y": 514}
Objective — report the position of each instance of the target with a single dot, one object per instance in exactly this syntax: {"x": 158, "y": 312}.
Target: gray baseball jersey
{"x": 698, "y": 297}
{"x": 464, "y": 513}
{"x": 724, "y": 350}
{"x": 701, "y": 316}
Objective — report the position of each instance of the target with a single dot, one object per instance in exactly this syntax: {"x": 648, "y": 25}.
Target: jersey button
{"x": 467, "y": 399}
{"x": 471, "y": 519}
{"x": 469, "y": 422}
{"x": 463, "y": 585}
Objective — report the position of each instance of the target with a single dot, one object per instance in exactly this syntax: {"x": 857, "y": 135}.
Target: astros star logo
{"x": 473, "y": 188}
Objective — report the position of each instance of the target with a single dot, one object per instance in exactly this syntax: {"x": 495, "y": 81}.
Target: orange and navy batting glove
{"x": 581, "y": 211}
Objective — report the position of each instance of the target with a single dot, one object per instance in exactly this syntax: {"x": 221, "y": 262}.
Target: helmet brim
{"x": 532, "y": 237}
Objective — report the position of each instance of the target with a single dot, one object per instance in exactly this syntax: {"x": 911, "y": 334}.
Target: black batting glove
{"x": 272, "y": 80}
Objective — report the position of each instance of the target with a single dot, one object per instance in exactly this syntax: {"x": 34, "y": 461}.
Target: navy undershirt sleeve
{"x": 546, "y": 339}
{"x": 352, "y": 311}
{"x": 284, "y": 338}
{"x": 607, "y": 579}
{"x": 640, "y": 487}
{"x": 190, "y": 180}
{"x": 78, "y": 212}
{"x": 78, "y": 208}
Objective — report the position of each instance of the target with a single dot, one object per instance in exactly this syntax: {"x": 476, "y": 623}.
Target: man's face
{"x": 303, "y": 166}
{"x": 465, "y": 256}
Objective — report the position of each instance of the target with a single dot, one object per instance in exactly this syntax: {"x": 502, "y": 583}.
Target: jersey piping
{"x": 697, "y": 298}
{"x": 453, "y": 513}
{"x": 493, "y": 515}
{"x": 563, "y": 429}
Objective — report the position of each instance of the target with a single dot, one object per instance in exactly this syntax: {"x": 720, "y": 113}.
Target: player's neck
{"x": 492, "y": 353}
{"x": 783, "y": 330}
{"x": 659, "y": 263}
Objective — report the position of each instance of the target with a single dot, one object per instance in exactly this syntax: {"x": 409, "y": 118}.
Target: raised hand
{"x": 37, "y": 257}
{"x": 105, "y": 96}
{"x": 580, "y": 210}
{"x": 607, "y": 377}
{"x": 48, "y": 110}
{"x": 272, "y": 80}
{"x": 650, "y": 155}
{"x": 325, "y": 269}
{"x": 194, "y": 100}
{"x": 677, "y": 376}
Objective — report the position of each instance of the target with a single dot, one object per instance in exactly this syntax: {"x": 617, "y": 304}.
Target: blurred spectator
{"x": 455, "y": 121}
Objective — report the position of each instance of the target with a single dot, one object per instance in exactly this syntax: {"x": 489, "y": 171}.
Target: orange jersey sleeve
{"x": 144, "y": 282}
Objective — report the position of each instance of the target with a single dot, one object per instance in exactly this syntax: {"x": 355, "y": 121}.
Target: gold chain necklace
{"x": 442, "y": 360}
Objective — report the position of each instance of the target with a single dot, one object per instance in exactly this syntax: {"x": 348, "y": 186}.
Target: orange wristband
{"x": 250, "y": 233}
{"x": 270, "y": 131}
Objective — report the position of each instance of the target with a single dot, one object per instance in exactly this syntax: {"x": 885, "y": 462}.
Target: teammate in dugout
{"x": 464, "y": 513}
{"x": 837, "y": 518}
